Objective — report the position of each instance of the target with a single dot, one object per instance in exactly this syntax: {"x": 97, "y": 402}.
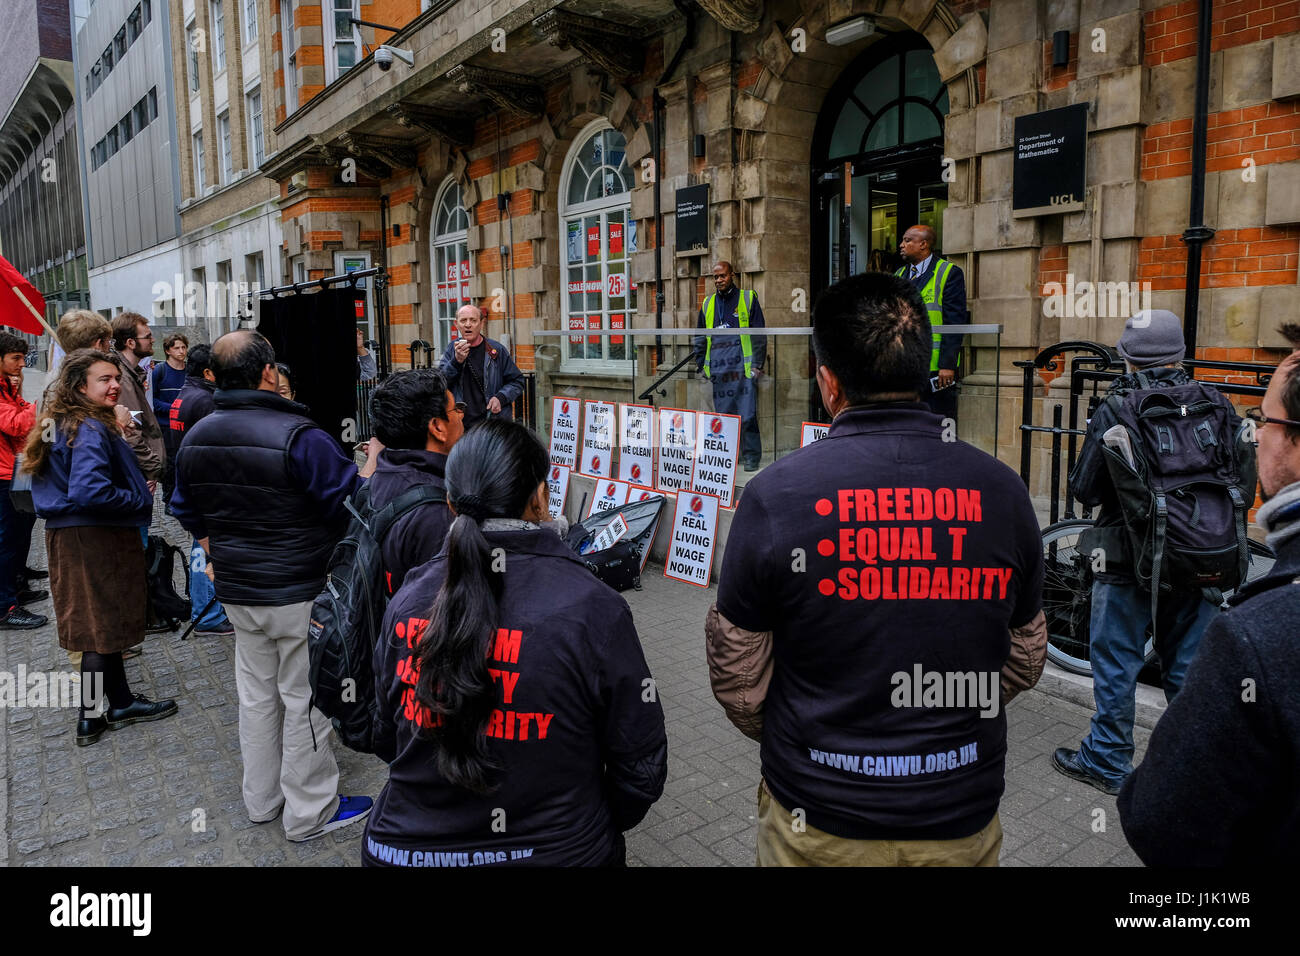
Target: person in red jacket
{"x": 17, "y": 416}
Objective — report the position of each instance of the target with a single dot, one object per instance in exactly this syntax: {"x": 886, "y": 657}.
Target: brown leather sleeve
{"x": 740, "y": 670}
{"x": 1028, "y": 655}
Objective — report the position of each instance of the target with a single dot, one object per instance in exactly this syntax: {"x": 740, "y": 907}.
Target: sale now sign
{"x": 564, "y": 431}
{"x": 695, "y": 530}
{"x": 717, "y": 438}
{"x": 676, "y": 449}
{"x": 609, "y": 494}
{"x": 598, "y": 440}
{"x": 636, "y": 444}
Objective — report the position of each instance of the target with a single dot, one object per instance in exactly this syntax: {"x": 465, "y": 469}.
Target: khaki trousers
{"x": 281, "y": 767}
{"x": 781, "y": 844}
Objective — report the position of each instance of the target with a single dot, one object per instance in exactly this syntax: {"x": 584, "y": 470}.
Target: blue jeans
{"x": 202, "y": 591}
{"x": 1120, "y": 615}
{"x": 15, "y": 540}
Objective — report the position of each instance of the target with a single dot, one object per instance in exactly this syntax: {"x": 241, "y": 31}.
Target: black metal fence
{"x": 1090, "y": 367}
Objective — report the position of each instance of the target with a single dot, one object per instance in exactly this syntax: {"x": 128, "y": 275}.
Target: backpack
{"x": 167, "y": 609}
{"x": 347, "y": 614}
{"x": 1184, "y": 497}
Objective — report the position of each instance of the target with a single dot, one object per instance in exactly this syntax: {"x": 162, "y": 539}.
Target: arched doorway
{"x": 877, "y": 159}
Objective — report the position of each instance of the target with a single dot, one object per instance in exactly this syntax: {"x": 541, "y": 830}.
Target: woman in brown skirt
{"x": 88, "y": 488}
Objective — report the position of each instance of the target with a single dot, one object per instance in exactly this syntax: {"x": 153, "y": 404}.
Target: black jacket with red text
{"x": 578, "y": 732}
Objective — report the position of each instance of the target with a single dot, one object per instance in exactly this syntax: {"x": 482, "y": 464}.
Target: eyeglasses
{"x": 1256, "y": 414}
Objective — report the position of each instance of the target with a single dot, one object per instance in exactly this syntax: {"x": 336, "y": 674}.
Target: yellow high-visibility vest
{"x": 746, "y": 342}
{"x": 934, "y": 302}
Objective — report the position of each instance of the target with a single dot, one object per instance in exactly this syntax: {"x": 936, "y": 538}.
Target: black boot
{"x": 139, "y": 710}
{"x": 90, "y": 729}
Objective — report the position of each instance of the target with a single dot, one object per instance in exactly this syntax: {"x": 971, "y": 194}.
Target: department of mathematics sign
{"x": 1049, "y": 162}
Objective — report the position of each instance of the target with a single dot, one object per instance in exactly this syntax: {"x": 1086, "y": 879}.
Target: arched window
{"x": 901, "y": 101}
{"x": 450, "y": 258}
{"x": 598, "y": 237}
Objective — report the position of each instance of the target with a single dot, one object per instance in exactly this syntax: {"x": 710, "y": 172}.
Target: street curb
{"x": 1077, "y": 689}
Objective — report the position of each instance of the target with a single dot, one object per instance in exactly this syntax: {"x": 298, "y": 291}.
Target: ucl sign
{"x": 1050, "y": 161}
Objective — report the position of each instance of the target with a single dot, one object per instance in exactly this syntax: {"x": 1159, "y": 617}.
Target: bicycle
{"x": 1067, "y": 593}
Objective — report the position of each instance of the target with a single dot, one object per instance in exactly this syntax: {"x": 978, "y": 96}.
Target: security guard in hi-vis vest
{"x": 733, "y": 363}
{"x": 943, "y": 289}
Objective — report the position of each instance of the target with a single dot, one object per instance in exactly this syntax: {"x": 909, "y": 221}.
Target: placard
{"x": 612, "y": 532}
{"x": 645, "y": 494}
{"x": 593, "y": 242}
{"x": 575, "y": 242}
{"x": 811, "y": 432}
{"x": 676, "y": 449}
{"x": 598, "y": 440}
{"x": 636, "y": 444}
{"x": 717, "y": 440}
{"x": 609, "y": 493}
{"x": 1050, "y": 161}
{"x": 695, "y": 527}
{"x": 557, "y": 484}
{"x": 617, "y": 321}
{"x": 564, "y": 431}
{"x": 615, "y": 238}
{"x": 692, "y": 218}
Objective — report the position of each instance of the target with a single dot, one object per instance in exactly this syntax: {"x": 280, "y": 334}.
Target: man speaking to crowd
{"x": 879, "y": 602}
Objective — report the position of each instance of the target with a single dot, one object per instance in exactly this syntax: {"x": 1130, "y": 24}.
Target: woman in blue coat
{"x": 515, "y": 706}
{"x": 88, "y": 488}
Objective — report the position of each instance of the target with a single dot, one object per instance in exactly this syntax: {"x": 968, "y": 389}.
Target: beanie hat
{"x": 1152, "y": 337}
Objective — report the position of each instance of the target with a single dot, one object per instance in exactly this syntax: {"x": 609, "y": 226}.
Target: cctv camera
{"x": 384, "y": 56}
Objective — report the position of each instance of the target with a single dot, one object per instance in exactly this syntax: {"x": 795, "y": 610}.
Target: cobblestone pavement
{"x": 168, "y": 793}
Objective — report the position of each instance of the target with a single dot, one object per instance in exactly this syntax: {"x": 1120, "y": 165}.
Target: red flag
{"x": 21, "y": 306}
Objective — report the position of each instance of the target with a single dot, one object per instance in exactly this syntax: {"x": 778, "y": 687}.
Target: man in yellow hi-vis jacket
{"x": 943, "y": 289}
{"x": 733, "y": 363}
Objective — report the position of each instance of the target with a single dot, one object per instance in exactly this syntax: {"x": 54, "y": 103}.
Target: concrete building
{"x": 515, "y": 165}
{"x": 230, "y": 216}
{"x": 123, "y": 57}
{"x": 42, "y": 231}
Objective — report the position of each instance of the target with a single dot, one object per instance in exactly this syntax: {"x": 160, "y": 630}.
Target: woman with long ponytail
{"x": 510, "y": 686}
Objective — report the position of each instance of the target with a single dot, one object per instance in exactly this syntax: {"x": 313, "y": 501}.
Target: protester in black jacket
{"x": 518, "y": 715}
{"x": 195, "y": 399}
{"x": 418, "y": 420}
{"x": 1220, "y": 785}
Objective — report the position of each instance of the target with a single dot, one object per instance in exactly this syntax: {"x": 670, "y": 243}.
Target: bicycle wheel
{"x": 1067, "y": 595}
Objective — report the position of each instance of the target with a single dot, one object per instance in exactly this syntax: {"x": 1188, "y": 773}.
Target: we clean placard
{"x": 636, "y": 444}
{"x": 598, "y": 440}
{"x": 811, "y": 432}
{"x": 564, "y": 431}
{"x": 695, "y": 528}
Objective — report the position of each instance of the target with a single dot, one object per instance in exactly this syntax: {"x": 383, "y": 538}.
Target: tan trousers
{"x": 281, "y": 768}
{"x": 783, "y": 842}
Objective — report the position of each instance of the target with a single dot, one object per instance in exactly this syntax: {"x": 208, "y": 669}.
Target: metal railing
{"x": 1093, "y": 365}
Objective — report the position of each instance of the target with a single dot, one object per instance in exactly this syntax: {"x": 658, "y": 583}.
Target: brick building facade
{"x": 519, "y": 98}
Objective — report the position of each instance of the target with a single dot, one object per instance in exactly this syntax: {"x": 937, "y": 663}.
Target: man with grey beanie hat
{"x": 1152, "y": 347}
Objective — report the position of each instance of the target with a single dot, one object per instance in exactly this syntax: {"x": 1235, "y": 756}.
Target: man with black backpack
{"x": 1166, "y": 462}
